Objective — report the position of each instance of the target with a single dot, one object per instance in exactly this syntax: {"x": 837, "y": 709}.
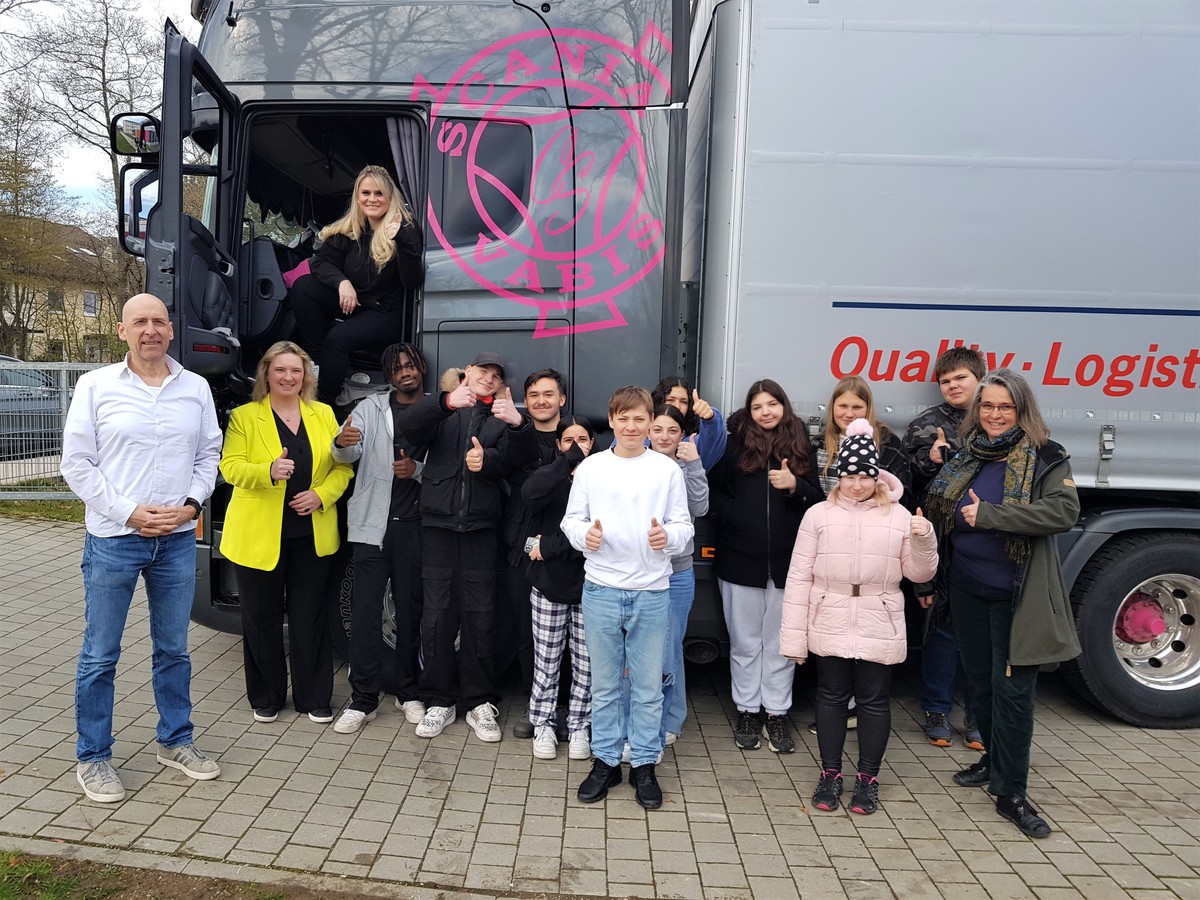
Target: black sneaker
{"x": 600, "y": 779}
{"x": 829, "y": 791}
{"x": 747, "y": 729}
{"x": 523, "y": 728}
{"x": 937, "y": 729}
{"x": 1021, "y": 813}
{"x": 645, "y": 786}
{"x": 778, "y": 734}
{"x": 974, "y": 775}
{"x": 866, "y": 795}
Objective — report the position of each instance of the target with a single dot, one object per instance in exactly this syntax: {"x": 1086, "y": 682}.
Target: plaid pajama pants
{"x": 555, "y": 625}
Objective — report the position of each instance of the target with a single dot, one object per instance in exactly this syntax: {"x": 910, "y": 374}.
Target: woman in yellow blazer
{"x": 281, "y": 531}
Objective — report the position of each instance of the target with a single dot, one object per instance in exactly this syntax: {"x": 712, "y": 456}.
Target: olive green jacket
{"x": 1043, "y": 630}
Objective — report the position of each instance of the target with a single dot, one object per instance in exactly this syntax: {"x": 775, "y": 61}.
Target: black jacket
{"x": 756, "y": 523}
{"x": 452, "y": 496}
{"x": 341, "y": 258}
{"x": 559, "y": 574}
{"x": 517, "y": 525}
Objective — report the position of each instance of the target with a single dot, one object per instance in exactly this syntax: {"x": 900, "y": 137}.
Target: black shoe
{"x": 746, "y": 731}
{"x": 866, "y": 795}
{"x": 778, "y": 735}
{"x": 600, "y": 779}
{"x": 1021, "y": 813}
{"x": 828, "y": 794}
{"x": 975, "y": 775}
{"x": 645, "y": 786}
{"x": 523, "y": 728}
{"x": 322, "y": 716}
{"x": 266, "y": 714}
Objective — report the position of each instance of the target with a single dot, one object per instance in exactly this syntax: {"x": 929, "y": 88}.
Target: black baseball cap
{"x": 487, "y": 358}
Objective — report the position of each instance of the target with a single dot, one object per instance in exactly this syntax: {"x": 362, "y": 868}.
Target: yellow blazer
{"x": 254, "y": 519}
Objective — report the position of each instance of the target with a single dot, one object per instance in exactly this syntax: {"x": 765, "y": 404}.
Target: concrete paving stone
{"x": 495, "y": 854}
{"x": 1021, "y": 850}
{"x": 539, "y": 886}
{"x": 452, "y": 840}
{"x": 1131, "y": 876}
{"x": 360, "y": 853}
{"x": 817, "y": 881}
{"x": 677, "y": 861}
{"x": 1184, "y": 889}
{"x": 1039, "y": 875}
{"x": 499, "y": 878}
{"x": 506, "y": 794}
{"x": 532, "y": 846}
{"x": 284, "y": 819}
{"x": 1057, "y": 893}
{"x": 334, "y": 867}
{"x": 751, "y": 844}
{"x": 539, "y": 868}
{"x": 622, "y": 849}
{"x": 1107, "y": 853}
{"x": 227, "y": 823}
{"x": 1005, "y": 886}
{"x": 624, "y": 873}
{"x": 316, "y": 835}
{"x": 678, "y": 886}
{"x": 503, "y": 813}
{"x": 250, "y": 857}
{"x": 1097, "y": 887}
{"x": 584, "y": 838}
{"x": 584, "y": 882}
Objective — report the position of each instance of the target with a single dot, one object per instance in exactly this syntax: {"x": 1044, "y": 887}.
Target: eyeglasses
{"x": 1003, "y": 408}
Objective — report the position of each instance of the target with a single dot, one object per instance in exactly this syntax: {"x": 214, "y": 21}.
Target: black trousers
{"x": 397, "y": 561}
{"x": 330, "y": 342}
{"x": 460, "y": 571}
{"x": 302, "y": 575}
{"x": 870, "y": 684}
{"x": 514, "y": 621}
{"x": 1002, "y": 697}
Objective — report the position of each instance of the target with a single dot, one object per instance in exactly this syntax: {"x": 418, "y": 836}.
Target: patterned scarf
{"x": 957, "y": 475}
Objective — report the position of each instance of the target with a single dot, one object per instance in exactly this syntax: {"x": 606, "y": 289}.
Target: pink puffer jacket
{"x": 841, "y": 545}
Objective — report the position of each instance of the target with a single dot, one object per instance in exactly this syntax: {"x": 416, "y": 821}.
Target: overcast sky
{"x": 81, "y": 169}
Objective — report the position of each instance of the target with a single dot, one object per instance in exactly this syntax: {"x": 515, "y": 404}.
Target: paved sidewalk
{"x": 387, "y": 813}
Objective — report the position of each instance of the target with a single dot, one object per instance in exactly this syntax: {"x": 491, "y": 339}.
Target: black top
{"x": 559, "y": 574}
{"x": 406, "y": 492}
{"x": 341, "y": 258}
{"x": 516, "y": 517}
{"x": 300, "y": 452}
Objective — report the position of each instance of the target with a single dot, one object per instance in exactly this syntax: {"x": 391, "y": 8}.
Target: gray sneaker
{"x": 100, "y": 781}
{"x": 190, "y": 761}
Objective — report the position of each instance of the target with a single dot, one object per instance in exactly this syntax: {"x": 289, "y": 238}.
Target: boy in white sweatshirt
{"x": 628, "y": 515}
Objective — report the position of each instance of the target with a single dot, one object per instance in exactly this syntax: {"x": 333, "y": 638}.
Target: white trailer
{"x": 870, "y": 182}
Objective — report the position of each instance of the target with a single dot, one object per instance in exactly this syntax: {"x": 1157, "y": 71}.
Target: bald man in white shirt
{"x": 140, "y": 448}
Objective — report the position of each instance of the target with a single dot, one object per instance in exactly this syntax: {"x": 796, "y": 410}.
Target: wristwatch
{"x": 531, "y": 542}
{"x": 194, "y": 504}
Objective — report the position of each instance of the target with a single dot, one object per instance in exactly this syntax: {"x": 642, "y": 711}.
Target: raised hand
{"x": 701, "y": 407}
{"x": 971, "y": 510}
{"x": 349, "y": 435}
{"x": 393, "y": 227}
{"x": 657, "y": 535}
{"x": 687, "y": 451}
{"x": 919, "y": 525}
{"x": 475, "y": 456}
{"x": 403, "y": 466}
{"x": 282, "y": 468}
{"x": 594, "y": 536}
{"x": 347, "y": 296}
{"x": 461, "y": 397}
{"x": 306, "y": 502}
{"x": 782, "y": 478}
{"x": 935, "y": 452}
{"x": 505, "y": 410}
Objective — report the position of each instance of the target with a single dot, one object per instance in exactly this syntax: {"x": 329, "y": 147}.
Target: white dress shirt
{"x": 127, "y": 443}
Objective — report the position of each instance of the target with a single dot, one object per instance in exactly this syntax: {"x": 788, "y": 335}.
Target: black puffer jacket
{"x": 341, "y": 258}
{"x": 756, "y": 523}
{"x": 559, "y": 574}
{"x": 452, "y": 496}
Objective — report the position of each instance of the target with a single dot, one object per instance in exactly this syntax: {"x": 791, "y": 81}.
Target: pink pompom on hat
{"x": 858, "y": 454}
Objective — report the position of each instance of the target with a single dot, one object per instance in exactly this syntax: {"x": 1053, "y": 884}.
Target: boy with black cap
{"x": 476, "y": 438}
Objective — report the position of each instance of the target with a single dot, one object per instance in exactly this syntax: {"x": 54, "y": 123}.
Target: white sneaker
{"x": 437, "y": 718}
{"x": 580, "y": 746}
{"x": 626, "y": 753}
{"x": 352, "y": 720}
{"x": 671, "y": 738}
{"x": 414, "y": 710}
{"x": 545, "y": 742}
{"x": 483, "y": 719}
{"x": 188, "y": 759}
{"x": 100, "y": 781}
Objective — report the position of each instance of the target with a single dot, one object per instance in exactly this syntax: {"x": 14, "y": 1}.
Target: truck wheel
{"x": 1140, "y": 630}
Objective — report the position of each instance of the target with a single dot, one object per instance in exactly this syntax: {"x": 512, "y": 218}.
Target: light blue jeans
{"x": 110, "y": 571}
{"x": 626, "y": 629}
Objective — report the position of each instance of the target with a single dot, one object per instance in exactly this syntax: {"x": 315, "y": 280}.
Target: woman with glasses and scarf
{"x": 997, "y": 506}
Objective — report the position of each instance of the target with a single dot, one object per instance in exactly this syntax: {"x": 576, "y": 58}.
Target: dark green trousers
{"x": 1002, "y": 697}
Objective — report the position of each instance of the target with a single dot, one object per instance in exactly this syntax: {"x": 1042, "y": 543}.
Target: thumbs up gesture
{"x": 505, "y": 410}
{"x": 919, "y": 525}
{"x": 282, "y": 468}
{"x": 701, "y": 407}
{"x": 935, "y": 452}
{"x": 475, "y": 456}
{"x": 782, "y": 478}
{"x": 594, "y": 536}
{"x": 350, "y": 434}
{"x": 657, "y": 536}
{"x": 403, "y": 465}
{"x": 461, "y": 397}
{"x": 687, "y": 451}
{"x": 971, "y": 510}
{"x": 393, "y": 227}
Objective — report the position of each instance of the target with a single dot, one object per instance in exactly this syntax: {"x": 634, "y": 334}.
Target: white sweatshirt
{"x": 625, "y": 494}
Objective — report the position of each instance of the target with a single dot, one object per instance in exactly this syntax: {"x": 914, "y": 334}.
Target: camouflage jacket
{"x": 921, "y": 434}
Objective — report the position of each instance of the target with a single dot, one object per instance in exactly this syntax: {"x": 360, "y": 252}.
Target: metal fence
{"x": 33, "y": 409}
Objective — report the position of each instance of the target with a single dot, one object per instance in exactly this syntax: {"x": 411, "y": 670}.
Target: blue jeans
{"x": 626, "y": 628}
{"x": 110, "y": 571}
{"x": 940, "y": 665}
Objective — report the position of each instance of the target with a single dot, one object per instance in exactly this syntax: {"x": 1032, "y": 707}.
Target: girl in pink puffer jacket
{"x": 843, "y": 603}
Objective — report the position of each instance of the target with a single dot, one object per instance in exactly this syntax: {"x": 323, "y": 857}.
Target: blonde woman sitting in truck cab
{"x": 369, "y": 258}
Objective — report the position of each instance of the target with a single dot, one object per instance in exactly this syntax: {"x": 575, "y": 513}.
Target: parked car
{"x": 30, "y": 411}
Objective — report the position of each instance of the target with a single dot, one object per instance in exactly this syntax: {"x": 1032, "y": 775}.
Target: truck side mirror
{"x": 135, "y": 134}
{"x": 139, "y": 192}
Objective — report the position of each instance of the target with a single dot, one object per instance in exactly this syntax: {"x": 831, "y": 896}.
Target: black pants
{"x": 460, "y": 571}
{"x": 1001, "y": 696}
{"x": 870, "y": 684}
{"x": 397, "y": 561}
{"x": 302, "y": 574}
{"x": 514, "y": 621}
{"x": 330, "y": 342}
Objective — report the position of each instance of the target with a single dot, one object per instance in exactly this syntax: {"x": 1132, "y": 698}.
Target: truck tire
{"x": 1140, "y": 630}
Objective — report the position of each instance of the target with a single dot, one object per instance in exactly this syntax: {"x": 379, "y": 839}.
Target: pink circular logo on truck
{"x": 581, "y": 235}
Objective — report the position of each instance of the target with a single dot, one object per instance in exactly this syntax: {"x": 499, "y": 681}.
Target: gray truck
{"x": 627, "y": 188}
